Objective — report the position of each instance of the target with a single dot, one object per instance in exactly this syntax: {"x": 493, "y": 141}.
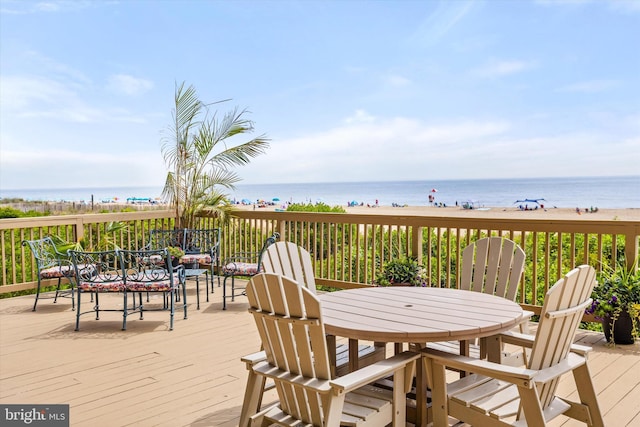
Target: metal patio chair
{"x": 52, "y": 264}
{"x": 97, "y": 273}
{"x": 150, "y": 271}
{"x": 243, "y": 264}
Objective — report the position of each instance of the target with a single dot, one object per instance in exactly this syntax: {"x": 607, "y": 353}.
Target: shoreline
{"x": 608, "y": 214}
{"x": 620, "y": 214}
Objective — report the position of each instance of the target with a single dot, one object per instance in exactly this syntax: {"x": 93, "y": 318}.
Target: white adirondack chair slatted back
{"x": 293, "y": 261}
{"x": 561, "y": 314}
{"x": 290, "y": 260}
{"x": 289, "y": 322}
{"x": 492, "y": 265}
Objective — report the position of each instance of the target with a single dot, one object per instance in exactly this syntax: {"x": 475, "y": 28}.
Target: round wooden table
{"x": 415, "y": 315}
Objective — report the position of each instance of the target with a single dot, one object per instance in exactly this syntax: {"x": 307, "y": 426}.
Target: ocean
{"x": 583, "y": 192}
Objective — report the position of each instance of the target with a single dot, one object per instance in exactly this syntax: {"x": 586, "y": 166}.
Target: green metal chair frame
{"x": 148, "y": 271}
{"x": 96, "y": 273}
{"x": 128, "y": 271}
{"x": 51, "y": 264}
{"x": 195, "y": 243}
{"x": 243, "y": 264}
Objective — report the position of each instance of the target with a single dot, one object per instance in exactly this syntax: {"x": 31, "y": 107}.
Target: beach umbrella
{"x": 434, "y": 190}
{"x": 536, "y": 201}
{"x": 246, "y": 201}
{"x": 275, "y": 199}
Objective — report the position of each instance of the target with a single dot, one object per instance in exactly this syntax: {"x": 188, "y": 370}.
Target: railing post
{"x": 631, "y": 249}
{"x": 280, "y": 226}
{"x": 416, "y": 242}
{"x": 79, "y": 231}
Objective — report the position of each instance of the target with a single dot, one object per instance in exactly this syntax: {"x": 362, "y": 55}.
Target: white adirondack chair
{"x": 289, "y": 321}
{"x": 500, "y": 395}
{"x": 293, "y": 261}
{"x": 493, "y": 265}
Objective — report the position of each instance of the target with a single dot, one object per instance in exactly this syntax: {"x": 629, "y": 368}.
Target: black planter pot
{"x": 175, "y": 261}
{"x": 622, "y": 329}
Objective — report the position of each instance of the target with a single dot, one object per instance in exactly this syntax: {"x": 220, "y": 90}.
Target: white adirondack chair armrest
{"x": 270, "y": 371}
{"x": 525, "y": 340}
{"x": 375, "y": 371}
{"x": 253, "y": 358}
{"x": 572, "y": 361}
{"x": 519, "y": 376}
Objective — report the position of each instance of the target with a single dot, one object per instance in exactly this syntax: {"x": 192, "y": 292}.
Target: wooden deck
{"x": 191, "y": 376}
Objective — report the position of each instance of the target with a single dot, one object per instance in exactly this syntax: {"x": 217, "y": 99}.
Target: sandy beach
{"x": 624, "y": 214}
{"x": 621, "y": 214}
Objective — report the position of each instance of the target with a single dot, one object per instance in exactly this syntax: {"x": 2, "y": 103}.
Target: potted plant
{"x": 616, "y": 303}
{"x": 176, "y": 253}
{"x": 402, "y": 271}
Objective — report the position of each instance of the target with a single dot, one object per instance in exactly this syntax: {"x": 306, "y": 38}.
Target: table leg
{"x": 492, "y": 348}
{"x": 206, "y": 282}
{"x": 331, "y": 345}
{"x": 464, "y": 351}
{"x": 353, "y": 355}
{"x": 198, "y": 292}
{"x": 398, "y": 347}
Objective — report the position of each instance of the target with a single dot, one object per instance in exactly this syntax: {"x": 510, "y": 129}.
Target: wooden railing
{"x": 18, "y": 266}
{"x": 349, "y": 249}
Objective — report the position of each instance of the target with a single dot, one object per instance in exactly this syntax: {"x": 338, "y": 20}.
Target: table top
{"x": 416, "y": 314}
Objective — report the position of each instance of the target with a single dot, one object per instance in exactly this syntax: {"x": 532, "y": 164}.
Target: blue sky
{"x": 345, "y": 90}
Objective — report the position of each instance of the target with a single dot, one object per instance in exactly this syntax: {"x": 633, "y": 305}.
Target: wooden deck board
{"x": 191, "y": 376}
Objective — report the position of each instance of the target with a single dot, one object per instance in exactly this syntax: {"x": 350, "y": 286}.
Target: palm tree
{"x": 200, "y": 154}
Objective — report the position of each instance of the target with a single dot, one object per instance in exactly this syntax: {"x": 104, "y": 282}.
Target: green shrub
{"x": 318, "y": 207}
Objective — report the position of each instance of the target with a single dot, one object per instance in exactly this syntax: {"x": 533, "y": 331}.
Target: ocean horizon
{"x": 583, "y": 192}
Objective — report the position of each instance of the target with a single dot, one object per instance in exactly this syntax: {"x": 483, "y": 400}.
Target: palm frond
{"x": 200, "y": 156}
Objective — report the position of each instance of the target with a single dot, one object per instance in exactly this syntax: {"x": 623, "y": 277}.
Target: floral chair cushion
{"x": 57, "y": 272}
{"x": 193, "y": 258}
{"x": 160, "y": 286}
{"x": 117, "y": 286}
{"x": 240, "y": 269}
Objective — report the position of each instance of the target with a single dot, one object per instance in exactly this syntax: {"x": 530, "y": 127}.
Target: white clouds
{"x": 625, "y": 6}
{"x": 622, "y": 6}
{"x": 57, "y": 91}
{"x": 87, "y": 168}
{"x": 52, "y": 69}
{"x": 129, "y": 85}
{"x": 47, "y": 7}
{"x": 34, "y": 97}
{"x": 592, "y": 86}
{"x": 437, "y": 89}
{"x": 503, "y": 68}
{"x": 360, "y": 116}
{"x": 40, "y": 97}
{"x": 375, "y": 149}
{"x": 398, "y": 81}
{"x": 402, "y": 148}
{"x": 21, "y": 7}
{"x": 441, "y": 21}
{"x": 51, "y": 89}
